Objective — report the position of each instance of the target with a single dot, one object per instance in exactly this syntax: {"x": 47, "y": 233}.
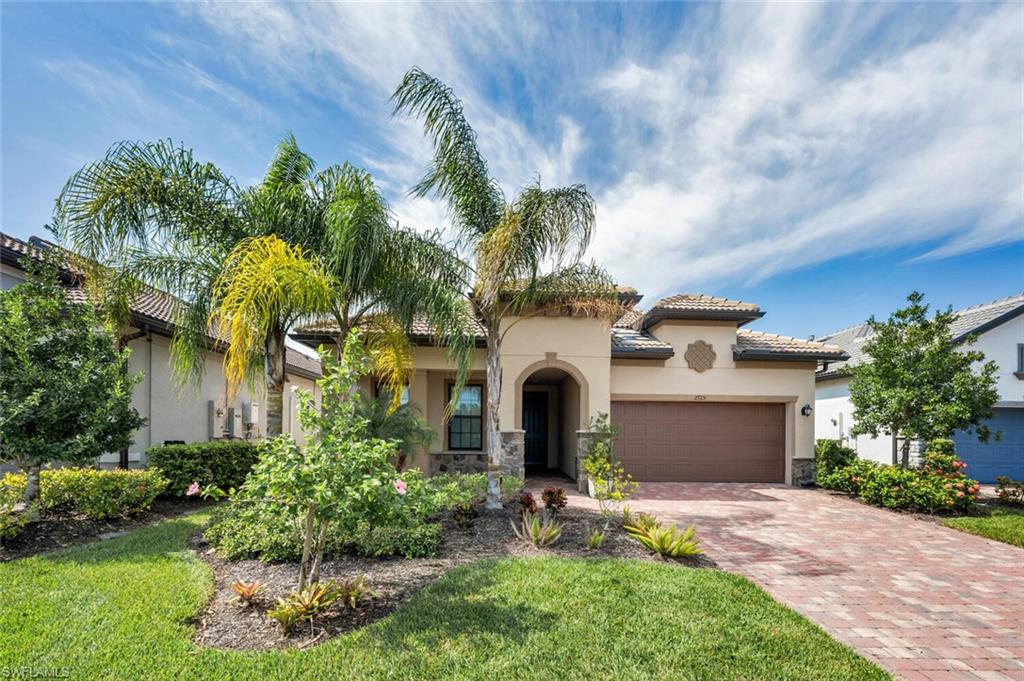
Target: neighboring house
{"x": 695, "y": 397}
{"x": 191, "y": 413}
{"x": 999, "y": 327}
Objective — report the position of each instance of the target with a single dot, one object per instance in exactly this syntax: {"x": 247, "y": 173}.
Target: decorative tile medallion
{"x": 700, "y": 356}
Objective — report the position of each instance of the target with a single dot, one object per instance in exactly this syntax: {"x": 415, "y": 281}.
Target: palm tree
{"x": 527, "y": 253}
{"x": 248, "y": 263}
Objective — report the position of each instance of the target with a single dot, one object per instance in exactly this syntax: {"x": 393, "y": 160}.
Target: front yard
{"x": 126, "y": 608}
{"x": 1002, "y": 523}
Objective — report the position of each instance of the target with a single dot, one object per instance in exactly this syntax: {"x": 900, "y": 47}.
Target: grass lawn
{"x": 1001, "y": 523}
{"x": 120, "y": 609}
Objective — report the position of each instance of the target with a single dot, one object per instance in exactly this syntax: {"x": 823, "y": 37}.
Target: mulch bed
{"x": 226, "y": 624}
{"x": 48, "y": 534}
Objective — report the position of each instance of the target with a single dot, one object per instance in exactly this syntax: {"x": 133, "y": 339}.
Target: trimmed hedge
{"x": 96, "y": 494}
{"x": 223, "y": 463}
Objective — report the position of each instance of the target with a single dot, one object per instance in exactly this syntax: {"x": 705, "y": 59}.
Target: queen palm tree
{"x": 248, "y": 263}
{"x": 526, "y": 252}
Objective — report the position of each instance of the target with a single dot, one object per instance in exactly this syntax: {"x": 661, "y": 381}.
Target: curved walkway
{"x": 927, "y": 602}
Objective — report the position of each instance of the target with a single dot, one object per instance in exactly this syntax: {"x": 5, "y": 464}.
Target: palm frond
{"x": 264, "y": 281}
{"x": 391, "y": 352}
{"x": 458, "y": 173}
{"x": 580, "y": 289}
{"x": 290, "y": 167}
{"x": 139, "y": 194}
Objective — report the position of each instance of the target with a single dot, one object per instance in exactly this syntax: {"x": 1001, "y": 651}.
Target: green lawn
{"x": 120, "y": 609}
{"x": 1001, "y": 523}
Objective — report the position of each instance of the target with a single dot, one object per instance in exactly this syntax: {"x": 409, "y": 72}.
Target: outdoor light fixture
{"x": 806, "y": 410}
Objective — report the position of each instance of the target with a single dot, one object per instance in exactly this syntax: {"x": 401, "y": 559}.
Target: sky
{"x": 820, "y": 160}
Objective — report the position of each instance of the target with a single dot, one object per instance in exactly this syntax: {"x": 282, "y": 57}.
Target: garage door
{"x": 987, "y": 461}
{"x": 701, "y": 441}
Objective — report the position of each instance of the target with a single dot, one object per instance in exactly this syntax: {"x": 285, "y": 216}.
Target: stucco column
{"x": 418, "y": 398}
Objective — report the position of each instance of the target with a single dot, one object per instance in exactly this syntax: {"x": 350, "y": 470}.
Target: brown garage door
{"x": 701, "y": 441}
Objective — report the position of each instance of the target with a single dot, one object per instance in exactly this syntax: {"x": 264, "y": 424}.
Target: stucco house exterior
{"x": 696, "y": 396}
{"x": 187, "y": 414}
{"x": 999, "y": 328}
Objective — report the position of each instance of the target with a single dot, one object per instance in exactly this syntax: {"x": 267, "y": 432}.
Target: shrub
{"x": 554, "y": 499}
{"x": 527, "y": 504}
{"x": 224, "y": 464}
{"x": 595, "y": 538}
{"x": 417, "y": 541}
{"x": 942, "y": 445}
{"x": 830, "y": 455}
{"x": 96, "y": 494}
{"x": 538, "y": 529}
{"x": 938, "y": 485}
{"x": 1009, "y": 491}
{"x": 667, "y": 540}
{"x": 464, "y": 514}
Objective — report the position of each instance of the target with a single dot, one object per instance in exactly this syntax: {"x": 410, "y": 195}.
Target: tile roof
{"x": 629, "y": 319}
{"x": 970, "y": 320}
{"x": 153, "y": 306}
{"x": 326, "y": 329}
{"x": 628, "y": 342}
{"x": 760, "y": 345}
{"x": 699, "y": 306}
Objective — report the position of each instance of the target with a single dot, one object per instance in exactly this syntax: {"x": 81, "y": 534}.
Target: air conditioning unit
{"x": 250, "y": 413}
{"x": 217, "y": 420}
{"x": 234, "y": 428}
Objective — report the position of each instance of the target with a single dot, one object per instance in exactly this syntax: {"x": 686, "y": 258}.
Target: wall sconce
{"x": 806, "y": 410}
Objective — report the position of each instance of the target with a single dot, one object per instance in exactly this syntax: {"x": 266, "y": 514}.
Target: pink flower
{"x": 400, "y": 486}
{"x": 948, "y": 486}
{"x": 959, "y": 494}
{"x": 192, "y": 490}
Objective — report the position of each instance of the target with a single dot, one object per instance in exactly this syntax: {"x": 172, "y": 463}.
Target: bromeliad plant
{"x": 341, "y": 477}
{"x": 538, "y": 529}
{"x": 246, "y": 592}
{"x": 666, "y": 540}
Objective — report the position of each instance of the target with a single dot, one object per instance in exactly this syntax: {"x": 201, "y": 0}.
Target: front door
{"x": 535, "y": 423}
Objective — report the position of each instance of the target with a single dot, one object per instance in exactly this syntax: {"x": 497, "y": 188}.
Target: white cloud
{"x": 758, "y": 139}
{"x": 768, "y": 156}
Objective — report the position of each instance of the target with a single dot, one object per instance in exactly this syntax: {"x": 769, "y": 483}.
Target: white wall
{"x": 832, "y": 397}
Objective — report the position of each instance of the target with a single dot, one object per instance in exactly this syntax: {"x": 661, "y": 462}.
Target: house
{"x": 174, "y": 413}
{"x": 999, "y": 328}
{"x": 696, "y": 397}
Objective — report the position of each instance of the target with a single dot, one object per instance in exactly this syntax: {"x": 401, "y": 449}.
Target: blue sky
{"x": 819, "y": 160}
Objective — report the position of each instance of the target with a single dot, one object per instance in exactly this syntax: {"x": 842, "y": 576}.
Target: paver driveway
{"x": 924, "y": 601}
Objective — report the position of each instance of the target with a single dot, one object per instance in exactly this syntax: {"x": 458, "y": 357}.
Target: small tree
{"x": 343, "y": 477}
{"x": 917, "y": 384}
{"x": 65, "y": 394}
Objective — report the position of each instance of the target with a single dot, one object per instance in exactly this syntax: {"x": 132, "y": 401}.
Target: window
{"x": 465, "y": 430}
{"x": 1020, "y": 361}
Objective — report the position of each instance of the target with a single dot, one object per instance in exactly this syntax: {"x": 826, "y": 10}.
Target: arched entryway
{"x": 551, "y": 401}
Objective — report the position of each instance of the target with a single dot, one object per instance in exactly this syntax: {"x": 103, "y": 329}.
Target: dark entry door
{"x": 535, "y": 423}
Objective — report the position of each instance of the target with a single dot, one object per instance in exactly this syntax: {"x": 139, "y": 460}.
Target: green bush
{"x": 832, "y": 454}
{"x": 938, "y": 485}
{"x": 244, "y": 530}
{"x": 96, "y": 494}
{"x": 942, "y": 445}
{"x": 417, "y": 541}
{"x": 224, "y": 463}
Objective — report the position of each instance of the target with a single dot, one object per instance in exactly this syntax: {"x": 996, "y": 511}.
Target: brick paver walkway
{"x": 926, "y": 602}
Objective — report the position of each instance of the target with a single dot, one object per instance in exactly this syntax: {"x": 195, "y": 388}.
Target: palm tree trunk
{"x": 275, "y": 361}
{"x": 494, "y": 467}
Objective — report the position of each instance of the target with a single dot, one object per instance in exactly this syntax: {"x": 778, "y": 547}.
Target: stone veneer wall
{"x": 513, "y": 453}
{"x": 803, "y": 472}
{"x": 583, "y": 441}
{"x": 458, "y": 462}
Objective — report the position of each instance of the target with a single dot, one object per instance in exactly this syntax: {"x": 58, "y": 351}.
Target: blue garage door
{"x": 987, "y": 461}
